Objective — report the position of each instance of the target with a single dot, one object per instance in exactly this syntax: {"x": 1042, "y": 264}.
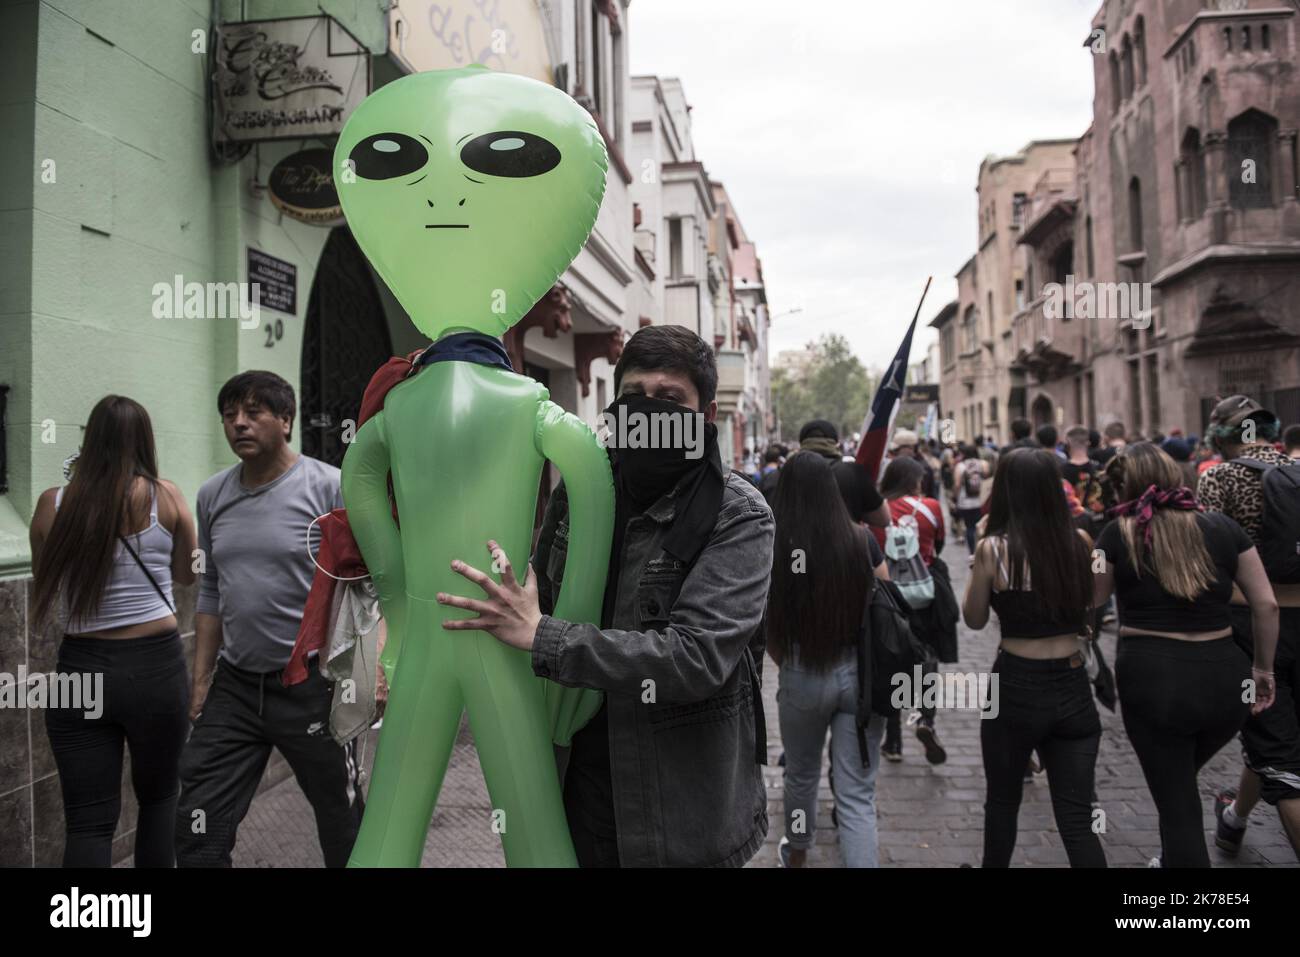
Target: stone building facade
{"x": 1176, "y": 245}
{"x": 982, "y": 388}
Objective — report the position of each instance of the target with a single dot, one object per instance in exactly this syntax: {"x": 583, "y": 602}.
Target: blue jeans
{"x": 808, "y": 702}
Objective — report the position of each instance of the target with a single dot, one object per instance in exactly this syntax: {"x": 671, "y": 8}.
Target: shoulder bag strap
{"x": 148, "y": 574}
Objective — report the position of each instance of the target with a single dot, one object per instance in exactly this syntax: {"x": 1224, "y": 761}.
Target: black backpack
{"x": 886, "y": 646}
{"x": 1280, "y": 530}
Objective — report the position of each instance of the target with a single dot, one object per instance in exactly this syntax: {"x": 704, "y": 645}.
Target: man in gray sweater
{"x": 255, "y": 574}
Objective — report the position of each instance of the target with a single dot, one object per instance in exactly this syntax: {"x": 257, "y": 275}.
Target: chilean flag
{"x": 879, "y": 422}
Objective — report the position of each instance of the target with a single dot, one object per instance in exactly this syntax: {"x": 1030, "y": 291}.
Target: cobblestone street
{"x": 928, "y": 816}
{"x": 933, "y": 816}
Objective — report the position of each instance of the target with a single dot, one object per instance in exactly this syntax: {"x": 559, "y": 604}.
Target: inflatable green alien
{"x": 470, "y": 192}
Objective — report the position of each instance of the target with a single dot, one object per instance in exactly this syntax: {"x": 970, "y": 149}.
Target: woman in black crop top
{"x": 1040, "y": 697}
{"x": 1183, "y": 682}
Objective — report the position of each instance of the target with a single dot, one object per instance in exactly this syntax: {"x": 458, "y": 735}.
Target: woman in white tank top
{"x": 106, "y": 550}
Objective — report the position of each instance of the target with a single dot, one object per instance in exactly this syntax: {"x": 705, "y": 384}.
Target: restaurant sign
{"x": 287, "y": 79}
{"x": 302, "y": 186}
{"x": 921, "y": 394}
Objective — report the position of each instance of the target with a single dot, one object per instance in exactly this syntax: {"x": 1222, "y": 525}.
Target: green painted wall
{"x": 113, "y": 95}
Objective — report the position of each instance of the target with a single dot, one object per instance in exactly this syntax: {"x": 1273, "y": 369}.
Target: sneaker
{"x": 1226, "y": 838}
{"x": 934, "y": 752}
{"x": 892, "y": 751}
{"x": 783, "y": 852}
{"x": 1156, "y": 861}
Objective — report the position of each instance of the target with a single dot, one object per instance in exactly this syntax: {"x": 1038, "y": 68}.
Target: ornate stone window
{"x": 1251, "y": 141}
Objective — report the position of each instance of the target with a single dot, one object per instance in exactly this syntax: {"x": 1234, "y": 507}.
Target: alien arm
{"x": 370, "y": 516}
{"x": 566, "y": 441}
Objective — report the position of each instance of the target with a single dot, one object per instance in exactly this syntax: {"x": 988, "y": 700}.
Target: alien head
{"x": 470, "y": 192}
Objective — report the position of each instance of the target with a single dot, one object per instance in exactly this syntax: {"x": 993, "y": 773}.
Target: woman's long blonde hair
{"x": 1177, "y": 556}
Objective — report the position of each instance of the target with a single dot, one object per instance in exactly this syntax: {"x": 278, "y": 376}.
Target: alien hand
{"x": 511, "y": 612}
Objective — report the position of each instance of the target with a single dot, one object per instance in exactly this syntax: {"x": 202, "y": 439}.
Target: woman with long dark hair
{"x": 1032, "y": 568}
{"x": 821, "y": 580}
{"x": 1181, "y": 677}
{"x": 106, "y": 549}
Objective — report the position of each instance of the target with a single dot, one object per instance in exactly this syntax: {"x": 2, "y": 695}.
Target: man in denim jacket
{"x": 668, "y": 771}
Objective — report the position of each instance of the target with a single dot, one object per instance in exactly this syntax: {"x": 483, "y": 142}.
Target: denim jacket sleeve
{"x": 716, "y": 613}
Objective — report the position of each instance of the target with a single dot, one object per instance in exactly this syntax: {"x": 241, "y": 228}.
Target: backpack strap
{"x": 1254, "y": 464}
{"x": 919, "y": 506}
{"x": 863, "y": 652}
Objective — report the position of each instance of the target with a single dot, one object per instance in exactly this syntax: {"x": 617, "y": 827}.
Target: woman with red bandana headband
{"x": 1183, "y": 682}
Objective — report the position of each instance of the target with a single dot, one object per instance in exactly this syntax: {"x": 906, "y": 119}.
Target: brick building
{"x": 1184, "y": 192}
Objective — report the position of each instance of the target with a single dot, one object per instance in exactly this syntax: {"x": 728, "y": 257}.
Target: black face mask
{"x": 646, "y": 473}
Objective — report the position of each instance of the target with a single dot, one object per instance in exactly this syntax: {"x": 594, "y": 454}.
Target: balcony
{"x": 1046, "y": 346}
{"x": 973, "y": 366}
{"x": 731, "y": 379}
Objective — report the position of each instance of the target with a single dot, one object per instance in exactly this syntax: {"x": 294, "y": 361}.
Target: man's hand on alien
{"x": 510, "y": 613}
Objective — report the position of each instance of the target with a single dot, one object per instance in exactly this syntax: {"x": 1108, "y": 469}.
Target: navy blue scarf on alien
{"x": 467, "y": 347}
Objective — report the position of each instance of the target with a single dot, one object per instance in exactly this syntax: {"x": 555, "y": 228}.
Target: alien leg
{"x": 512, "y": 732}
{"x": 420, "y": 725}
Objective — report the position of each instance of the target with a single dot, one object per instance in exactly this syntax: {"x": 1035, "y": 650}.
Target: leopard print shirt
{"x": 1237, "y": 491}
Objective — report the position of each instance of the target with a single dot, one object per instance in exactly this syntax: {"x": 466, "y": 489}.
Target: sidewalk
{"x": 928, "y": 816}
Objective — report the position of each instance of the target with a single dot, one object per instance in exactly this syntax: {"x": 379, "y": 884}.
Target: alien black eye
{"x": 386, "y": 155}
{"x": 510, "y": 153}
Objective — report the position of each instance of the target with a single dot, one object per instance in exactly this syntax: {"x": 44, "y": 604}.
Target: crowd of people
{"x": 808, "y": 558}
{"x": 1196, "y": 543}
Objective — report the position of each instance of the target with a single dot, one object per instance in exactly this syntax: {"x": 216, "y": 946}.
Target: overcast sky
{"x": 849, "y": 134}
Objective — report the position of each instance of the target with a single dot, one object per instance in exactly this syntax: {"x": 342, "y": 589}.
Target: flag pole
{"x": 889, "y": 394}
{"x": 917, "y": 314}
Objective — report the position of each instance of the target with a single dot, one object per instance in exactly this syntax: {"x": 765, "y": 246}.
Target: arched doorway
{"x": 1042, "y": 411}
{"x": 345, "y": 340}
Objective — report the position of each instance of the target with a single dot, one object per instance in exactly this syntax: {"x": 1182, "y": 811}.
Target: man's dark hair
{"x": 773, "y": 454}
{"x": 671, "y": 349}
{"x": 819, "y": 429}
{"x": 1047, "y": 436}
{"x": 1291, "y": 438}
{"x": 1021, "y": 429}
{"x": 265, "y": 388}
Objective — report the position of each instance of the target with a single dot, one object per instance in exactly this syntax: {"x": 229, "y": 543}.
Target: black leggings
{"x": 970, "y": 519}
{"x": 1044, "y": 705}
{"x": 144, "y": 699}
{"x": 1181, "y": 702}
